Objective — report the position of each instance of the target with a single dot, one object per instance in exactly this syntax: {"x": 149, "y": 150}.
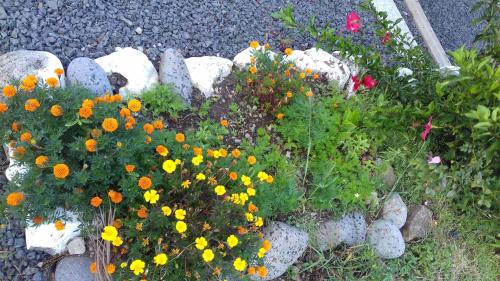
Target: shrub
{"x": 162, "y": 99}
{"x": 157, "y": 203}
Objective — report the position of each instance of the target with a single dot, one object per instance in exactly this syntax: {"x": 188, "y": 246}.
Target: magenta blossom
{"x": 434, "y": 160}
{"x": 427, "y": 129}
{"x": 369, "y": 82}
{"x": 352, "y": 23}
{"x": 386, "y": 38}
{"x": 356, "y": 82}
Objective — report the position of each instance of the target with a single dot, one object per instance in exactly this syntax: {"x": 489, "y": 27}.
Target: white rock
{"x": 242, "y": 59}
{"x": 138, "y": 30}
{"x": 18, "y": 64}
{"x": 133, "y": 65}
{"x": 76, "y": 246}
{"x": 47, "y": 238}
{"x": 15, "y": 167}
{"x": 322, "y": 63}
{"x": 403, "y": 72}
{"x": 206, "y": 71}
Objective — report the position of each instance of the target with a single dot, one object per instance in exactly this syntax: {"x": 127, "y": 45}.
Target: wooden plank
{"x": 430, "y": 39}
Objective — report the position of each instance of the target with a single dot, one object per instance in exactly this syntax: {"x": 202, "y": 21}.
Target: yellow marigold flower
{"x": 253, "y": 69}
{"x": 261, "y": 253}
{"x": 259, "y": 222}
{"x": 201, "y": 243}
{"x": 197, "y": 160}
{"x": 223, "y": 152}
{"x": 246, "y": 180}
{"x": 309, "y": 93}
{"x": 15, "y": 198}
{"x": 240, "y": 264}
{"x": 9, "y": 91}
{"x": 59, "y": 71}
{"x": 216, "y": 154}
{"x": 251, "y": 160}
{"x": 251, "y": 191}
{"x": 243, "y": 198}
{"x": 302, "y": 75}
{"x": 200, "y": 177}
{"x": 137, "y": 266}
{"x": 267, "y": 46}
{"x": 181, "y": 226}
{"x": 123, "y": 265}
{"x": 151, "y": 196}
{"x": 109, "y": 233}
{"x": 186, "y": 184}
{"x": 288, "y": 51}
{"x": 249, "y": 217}
{"x": 208, "y": 255}
{"x": 31, "y": 105}
{"x": 134, "y": 105}
{"x": 220, "y": 190}
{"x": 88, "y": 103}
{"x": 167, "y": 211}
{"x": 56, "y": 110}
{"x": 169, "y": 166}
{"x": 262, "y": 176}
{"x": 254, "y": 44}
{"x": 160, "y": 259}
{"x": 41, "y": 160}
{"x": 232, "y": 241}
{"x": 110, "y": 124}
{"x": 61, "y": 171}
{"x": 236, "y": 153}
{"x": 117, "y": 241}
{"x": 179, "y": 137}
{"x": 52, "y": 82}
{"x": 162, "y": 150}
{"x": 180, "y": 214}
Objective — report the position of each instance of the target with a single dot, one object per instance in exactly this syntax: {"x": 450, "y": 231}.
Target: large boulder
{"x": 323, "y": 63}
{"x": 385, "y": 239}
{"x": 134, "y": 66}
{"x": 88, "y": 74}
{"x": 18, "y": 64}
{"x": 287, "y": 246}
{"x": 74, "y": 268}
{"x": 350, "y": 229}
{"x": 206, "y": 71}
{"x": 174, "y": 71}
{"x": 243, "y": 58}
{"x": 395, "y": 210}
{"x": 419, "y": 223}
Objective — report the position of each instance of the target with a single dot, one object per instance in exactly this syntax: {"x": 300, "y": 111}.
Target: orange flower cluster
{"x": 15, "y": 198}
{"x": 31, "y": 105}
{"x": 9, "y": 91}
{"x": 56, "y": 110}
{"x": 61, "y": 171}
{"x": 28, "y": 84}
{"x": 110, "y": 124}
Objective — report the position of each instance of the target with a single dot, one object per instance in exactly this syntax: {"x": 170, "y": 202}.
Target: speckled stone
{"x": 385, "y": 239}
{"x": 395, "y": 210}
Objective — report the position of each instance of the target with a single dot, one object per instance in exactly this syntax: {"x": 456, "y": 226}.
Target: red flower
{"x": 352, "y": 23}
{"x": 386, "y": 38}
{"x": 356, "y": 82}
{"x": 427, "y": 129}
{"x": 369, "y": 82}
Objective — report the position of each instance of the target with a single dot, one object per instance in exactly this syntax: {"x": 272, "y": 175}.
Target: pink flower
{"x": 352, "y": 23}
{"x": 386, "y": 38}
{"x": 434, "y": 160}
{"x": 427, "y": 129}
{"x": 369, "y": 82}
{"x": 356, "y": 82}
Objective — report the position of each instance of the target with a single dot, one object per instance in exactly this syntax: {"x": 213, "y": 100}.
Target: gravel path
{"x": 94, "y": 28}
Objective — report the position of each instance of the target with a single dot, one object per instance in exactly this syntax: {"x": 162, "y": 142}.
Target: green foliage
{"x": 162, "y": 99}
{"x": 490, "y": 34}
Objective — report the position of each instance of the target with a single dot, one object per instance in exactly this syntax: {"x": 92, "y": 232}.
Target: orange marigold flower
{"x": 31, "y": 105}
{"x": 289, "y": 94}
{"x": 162, "y": 150}
{"x": 60, "y": 225}
{"x": 280, "y": 115}
{"x": 254, "y": 44}
{"x": 158, "y": 124}
{"x": 15, "y": 126}
{"x": 59, "y": 71}
{"x": 37, "y": 220}
{"x": 148, "y": 140}
{"x": 26, "y": 136}
{"x": 266, "y": 245}
{"x": 96, "y": 202}
{"x": 110, "y": 124}
{"x": 95, "y": 133}
{"x": 9, "y": 91}
{"x": 148, "y": 128}
{"x": 233, "y": 176}
{"x": 252, "y": 208}
{"x": 315, "y": 76}
{"x": 91, "y": 145}
{"x": 88, "y": 103}
{"x": 287, "y": 73}
{"x": 61, "y": 171}
{"x": 117, "y": 98}
{"x": 308, "y": 71}
{"x": 270, "y": 179}
{"x": 110, "y": 268}
{"x": 115, "y": 196}
{"x": 134, "y": 105}
{"x": 52, "y": 82}
{"x": 309, "y": 93}
{"x": 267, "y": 46}
{"x": 197, "y": 151}
{"x": 288, "y": 51}
{"x": 117, "y": 223}
{"x": 262, "y": 270}
{"x": 18, "y": 151}
{"x": 251, "y": 160}
{"x": 224, "y": 123}
{"x": 242, "y": 230}
{"x": 253, "y": 69}
{"x": 41, "y": 160}
{"x": 125, "y": 112}
{"x": 129, "y": 168}
{"x": 179, "y": 137}
{"x": 3, "y": 107}
{"x": 85, "y": 112}
{"x": 93, "y": 267}
{"x": 28, "y": 84}
{"x": 15, "y": 198}
{"x": 56, "y": 110}
{"x": 223, "y": 152}
{"x": 142, "y": 212}
{"x": 145, "y": 183}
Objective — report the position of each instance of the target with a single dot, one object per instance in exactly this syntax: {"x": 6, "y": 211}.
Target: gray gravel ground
{"x": 94, "y": 28}
{"x": 450, "y": 19}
